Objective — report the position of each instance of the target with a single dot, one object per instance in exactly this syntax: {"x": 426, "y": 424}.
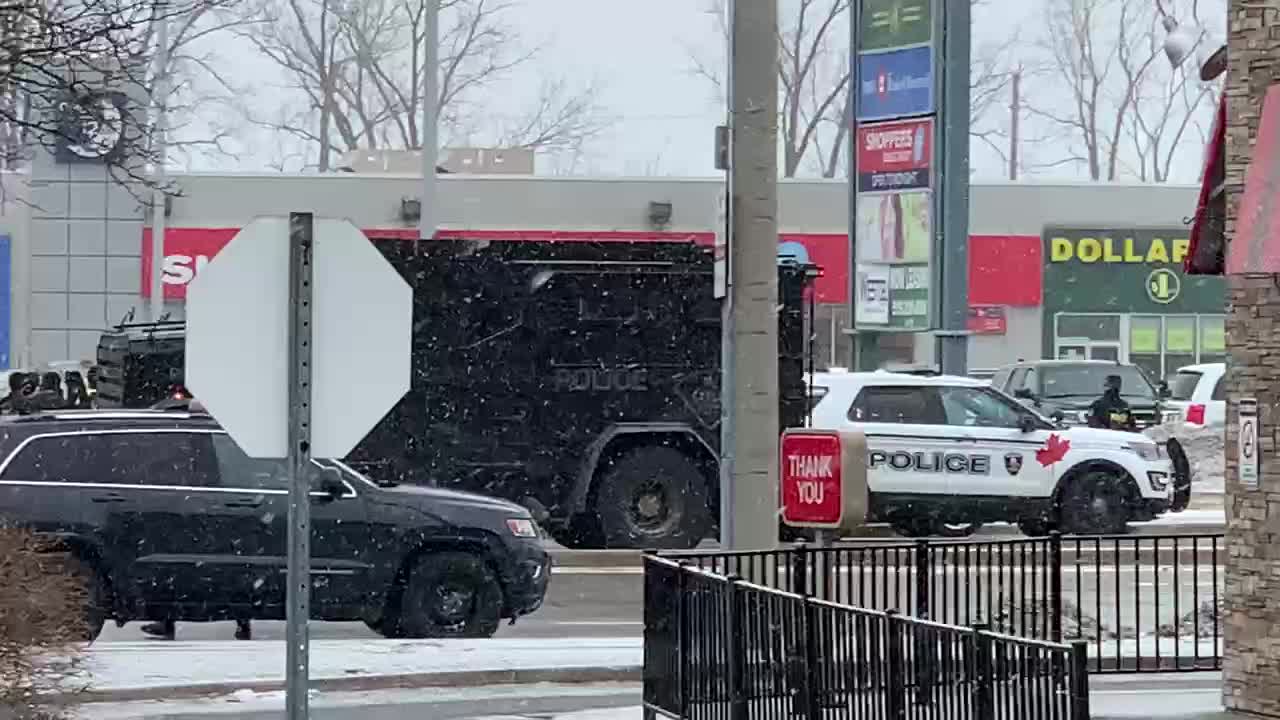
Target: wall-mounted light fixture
{"x": 659, "y": 214}
{"x": 410, "y": 209}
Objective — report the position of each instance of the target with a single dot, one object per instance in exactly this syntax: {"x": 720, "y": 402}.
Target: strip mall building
{"x": 1088, "y": 270}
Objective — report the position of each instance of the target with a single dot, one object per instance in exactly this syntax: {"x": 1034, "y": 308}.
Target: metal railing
{"x": 1142, "y": 603}
{"x": 720, "y": 648}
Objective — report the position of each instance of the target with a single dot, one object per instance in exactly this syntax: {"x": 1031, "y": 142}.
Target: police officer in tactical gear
{"x": 1110, "y": 411}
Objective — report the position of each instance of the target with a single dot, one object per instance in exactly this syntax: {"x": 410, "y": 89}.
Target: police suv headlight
{"x": 522, "y": 527}
{"x": 1147, "y": 451}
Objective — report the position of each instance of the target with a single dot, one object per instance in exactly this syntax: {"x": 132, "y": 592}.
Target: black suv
{"x": 168, "y": 519}
{"x": 1064, "y": 389}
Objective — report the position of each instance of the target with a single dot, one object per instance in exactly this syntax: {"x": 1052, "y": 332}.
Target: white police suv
{"x": 947, "y": 454}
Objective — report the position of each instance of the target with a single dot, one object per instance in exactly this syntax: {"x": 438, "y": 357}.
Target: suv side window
{"x": 61, "y": 458}
{"x": 241, "y": 471}
{"x": 174, "y": 459}
{"x": 976, "y": 407}
{"x": 1220, "y": 389}
{"x": 1000, "y": 379}
{"x": 1031, "y": 381}
{"x": 1019, "y": 375}
{"x": 907, "y": 404}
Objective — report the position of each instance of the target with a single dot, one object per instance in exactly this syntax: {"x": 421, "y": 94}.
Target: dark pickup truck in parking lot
{"x": 166, "y": 518}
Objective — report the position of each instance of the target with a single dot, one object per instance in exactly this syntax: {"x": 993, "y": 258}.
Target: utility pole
{"x": 430, "y": 124}
{"x": 160, "y": 93}
{"x": 749, "y": 387}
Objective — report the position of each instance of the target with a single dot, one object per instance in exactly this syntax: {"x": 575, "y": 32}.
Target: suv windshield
{"x": 1086, "y": 380}
{"x": 1183, "y": 384}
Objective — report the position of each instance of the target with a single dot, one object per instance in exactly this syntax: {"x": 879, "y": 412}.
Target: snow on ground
{"x": 147, "y": 664}
{"x": 247, "y": 701}
{"x": 1206, "y": 451}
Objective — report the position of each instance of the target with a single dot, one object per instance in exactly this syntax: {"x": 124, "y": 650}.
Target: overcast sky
{"x": 641, "y": 53}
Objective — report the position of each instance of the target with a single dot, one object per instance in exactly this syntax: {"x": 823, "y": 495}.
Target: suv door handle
{"x": 248, "y": 502}
{"x": 109, "y": 498}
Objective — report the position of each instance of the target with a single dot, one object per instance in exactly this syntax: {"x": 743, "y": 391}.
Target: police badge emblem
{"x": 1013, "y": 463}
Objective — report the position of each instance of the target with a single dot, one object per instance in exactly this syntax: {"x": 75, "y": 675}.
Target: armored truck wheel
{"x": 652, "y": 497}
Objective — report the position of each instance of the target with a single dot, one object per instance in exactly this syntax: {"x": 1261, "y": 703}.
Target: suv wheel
{"x": 653, "y": 497}
{"x": 1095, "y": 503}
{"x": 449, "y": 594}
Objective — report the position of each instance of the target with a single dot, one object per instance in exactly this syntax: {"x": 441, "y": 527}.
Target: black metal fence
{"x": 1142, "y": 603}
{"x": 718, "y": 647}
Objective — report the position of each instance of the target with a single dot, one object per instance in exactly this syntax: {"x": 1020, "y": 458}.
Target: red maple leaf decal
{"x": 1053, "y": 451}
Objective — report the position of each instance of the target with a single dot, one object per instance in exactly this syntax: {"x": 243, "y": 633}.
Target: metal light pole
{"x": 430, "y": 119}
{"x": 749, "y": 388}
{"x": 953, "y": 215}
{"x": 160, "y": 92}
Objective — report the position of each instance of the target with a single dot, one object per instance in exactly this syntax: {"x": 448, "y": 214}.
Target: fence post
{"x": 737, "y": 651}
{"x": 1079, "y": 680}
{"x": 924, "y": 580}
{"x": 682, "y": 640}
{"x": 1055, "y": 586}
{"x": 895, "y": 697}
{"x": 800, "y": 570}
{"x": 983, "y": 691}
{"x": 811, "y": 674}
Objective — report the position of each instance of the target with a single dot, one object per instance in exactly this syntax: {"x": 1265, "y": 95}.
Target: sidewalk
{"x": 144, "y": 670}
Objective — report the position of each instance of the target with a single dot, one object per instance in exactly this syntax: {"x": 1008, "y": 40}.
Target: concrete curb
{"x": 359, "y": 683}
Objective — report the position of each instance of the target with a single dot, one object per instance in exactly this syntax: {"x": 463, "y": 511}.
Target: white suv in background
{"x": 947, "y": 454}
{"x": 1199, "y": 394}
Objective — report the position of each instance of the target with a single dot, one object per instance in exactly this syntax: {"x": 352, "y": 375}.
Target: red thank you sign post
{"x": 823, "y": 477}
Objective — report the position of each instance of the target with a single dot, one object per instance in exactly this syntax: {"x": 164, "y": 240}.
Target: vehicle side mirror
{"x": 1024, "y": 394}
{"x": 331, "y": 483}
{"x": 1026, "y": 423}
{"x": 1163, "y": 389}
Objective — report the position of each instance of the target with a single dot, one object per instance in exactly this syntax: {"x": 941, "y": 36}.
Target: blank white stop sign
{"x": 238, "y": 347}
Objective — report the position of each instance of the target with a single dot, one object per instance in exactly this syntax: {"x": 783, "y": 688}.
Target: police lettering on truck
{"x": 930, "y": 462}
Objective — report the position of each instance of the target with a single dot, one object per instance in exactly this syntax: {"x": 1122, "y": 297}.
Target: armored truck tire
{"x": 652, "y": 496}
{"x": 1095, "y": 502}
{"x": 448, "y": 595}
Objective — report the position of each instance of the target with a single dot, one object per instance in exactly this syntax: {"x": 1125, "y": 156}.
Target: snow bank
{"x": 1206, "y": 451}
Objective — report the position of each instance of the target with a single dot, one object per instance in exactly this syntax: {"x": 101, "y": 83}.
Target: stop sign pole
{"x": 298, "y": 465}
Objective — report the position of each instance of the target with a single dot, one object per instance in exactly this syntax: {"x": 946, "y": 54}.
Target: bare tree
{"x": 814, "y": 82}
{"x": 359, "y": 67}
{"x": 57, "y": 56}
{"x": 1168, "y": 103}
{"x": 1109, "y": 91}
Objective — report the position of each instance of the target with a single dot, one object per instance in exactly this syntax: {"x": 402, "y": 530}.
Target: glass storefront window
{"x": 1179, "y": 342}
{"x": 1094, "y": 327}
{"x": 1213, "y": 338}
{"x": 1144, "y": 344}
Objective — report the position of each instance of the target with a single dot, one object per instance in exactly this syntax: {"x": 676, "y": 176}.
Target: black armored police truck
{"x": 579, "y": 379}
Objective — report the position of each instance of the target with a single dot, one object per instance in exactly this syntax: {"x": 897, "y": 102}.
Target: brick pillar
{"x": 1251, "y": 672}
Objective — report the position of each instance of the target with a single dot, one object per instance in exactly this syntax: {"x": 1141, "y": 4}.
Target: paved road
{"x": 590, "y": 602}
